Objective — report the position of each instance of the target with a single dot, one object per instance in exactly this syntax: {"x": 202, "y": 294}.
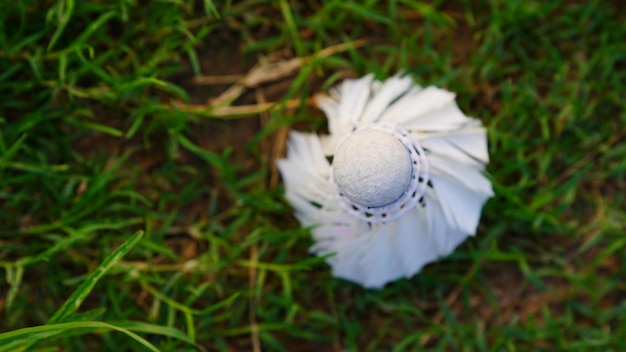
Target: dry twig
{"x": 266, "y": 71}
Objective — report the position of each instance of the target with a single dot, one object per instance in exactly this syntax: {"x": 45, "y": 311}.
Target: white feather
{"x": 465, "y": 175}
{"x": 305, "y": 185}
{"x": 305, "y": 173}
{"x": 385, "y": 95}
{"x": 468, "y": 146}
{"x": 461, "y": 205}
{"x": 329, "y": 143}
{"x": 379, "y": 261}
{"x": 354, "y": 96}
{"x": 446, "y": 118}
{"x": 330, "y": 107}
{"x": 307, "y": 151}
{"x": 412, "y": 241}
{"x": 331, "y": 237}
{"x": 343, "y": 108}
{"x": 305, "y": 212}
{"x": 346, "y": 261}
{"x": 335, "y": 229}
{"x": 417, "y": 104}
{"x": 446, "y": 237}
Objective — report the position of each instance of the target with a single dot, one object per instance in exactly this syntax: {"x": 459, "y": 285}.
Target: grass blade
{"x": 64, "y": 11}
{"x": 75, "y": 300}
{"x": 32, "y": 334}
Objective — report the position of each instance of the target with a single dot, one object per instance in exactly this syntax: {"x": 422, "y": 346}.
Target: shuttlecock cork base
{"x": 372, "y": 168}
{"x": 379, "y": 172}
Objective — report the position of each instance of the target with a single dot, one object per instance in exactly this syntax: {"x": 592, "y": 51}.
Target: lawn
{"x": 141, "y": 209}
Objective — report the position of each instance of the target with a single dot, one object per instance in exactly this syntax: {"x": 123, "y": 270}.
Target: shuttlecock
{"x": 405, "y": 185}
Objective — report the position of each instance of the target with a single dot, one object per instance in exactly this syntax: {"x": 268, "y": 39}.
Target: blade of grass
{"x": 63, "y": 11}
{"x": 76, "y": 299}
{"x": 27, "y": 336}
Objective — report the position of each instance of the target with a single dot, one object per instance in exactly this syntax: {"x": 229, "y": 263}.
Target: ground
{"x": 140, "y": 206}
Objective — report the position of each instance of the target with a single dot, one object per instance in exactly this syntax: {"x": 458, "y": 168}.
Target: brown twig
{"x": 236, "y": 111}
{"x": 277, "y": 152}
{"x": 215, "y": 80}
{"x": 264, "y": 118}
{"x": 265, "y": 71}
{"x": 254, "y": 327}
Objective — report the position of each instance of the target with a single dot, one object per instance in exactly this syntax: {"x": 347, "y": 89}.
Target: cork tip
{"x": 372, "y": 168}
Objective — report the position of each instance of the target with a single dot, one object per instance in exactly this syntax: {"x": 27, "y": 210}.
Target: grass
{"x": 113, "y": 122}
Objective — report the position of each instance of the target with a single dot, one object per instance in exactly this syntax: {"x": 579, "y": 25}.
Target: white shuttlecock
{"x": 406, "y": 183}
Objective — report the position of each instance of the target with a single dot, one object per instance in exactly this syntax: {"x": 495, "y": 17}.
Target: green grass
{"x": 105, "y": 133}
